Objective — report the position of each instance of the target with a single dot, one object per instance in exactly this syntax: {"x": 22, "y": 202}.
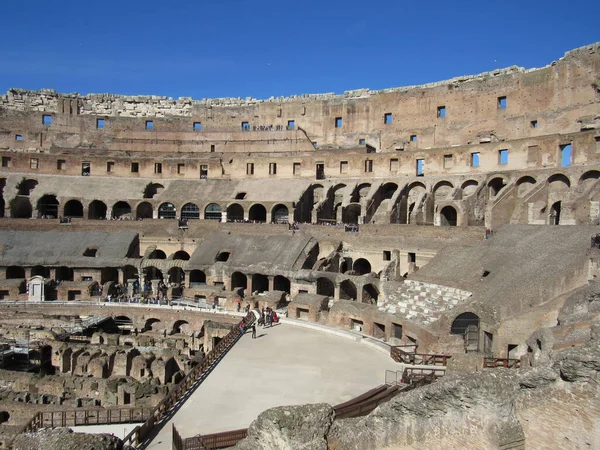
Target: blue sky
{"x": 264, "y": 48}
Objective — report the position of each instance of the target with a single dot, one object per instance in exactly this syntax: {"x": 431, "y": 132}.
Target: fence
{"x": 427, "y": 359}
{"x": 501, "y": 362}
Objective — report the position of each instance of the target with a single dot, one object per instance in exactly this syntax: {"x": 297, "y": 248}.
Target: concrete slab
{"x": 285, "y": 365}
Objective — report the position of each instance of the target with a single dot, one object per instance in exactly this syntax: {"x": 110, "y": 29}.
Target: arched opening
{"x": 524, "y": 185}
{"x": 47, "y": 206}
{"x": 152, "y": 189}
{"x": 235, "y": 213}
{"x": 129, "y": 272}
{"x": 238, "y": 280}
{"x": 448, "y": 216}
{"x": 495, "y": 185}
{"x": 348, "y": 290}
{"x": 152, "y": 325}
{"x": 181, "y": 255}
{"x": 64, "y": 274}
{"x": 351, "y": 213}
{"x": 109, "y": 274}
{"x": 97, "y": 210}
{"x": 555, "y": 214}
{"x": 361, "y": 191}
{"x": 26, "y": 186}
{"x": 325, "y": 287}
{"x": 469, "y": 187}
{"x": 73, "y": 208}
{"x": 124, "y": 323}
{"x": 176, "y": 275}
{"x": 443, "y": 189}
{"x": 40, "y": 271}
{"x": 370, "y": 294}
{"x": 257, "y": 213}
{"x": 144, "y": 211}
{"x": 260, "y": 283}
{"x": 15, "y": 272}
{"x": 4, "y": 416}
{"x": 20, "y": 208}
{"x": 190, "y": 211}
{"x": 167, "y": 211}
{"x": 152, "y": 273}
{"x": 197, "y": 278}
{"x": 223, "y": 257}
{"x": 121, "y": 209}
{"x": 462, "y": 322}
{"x": 559, "y": 182}
{"x": 389, "y": 189}
{"x": 280, "y": 214}
{"x": 157, "y": 254}
{"x": 181, "y": 326}
{"x": 212, "y": 212}
{"x": 361, "y": 266}
{"x": 281, "y": 283}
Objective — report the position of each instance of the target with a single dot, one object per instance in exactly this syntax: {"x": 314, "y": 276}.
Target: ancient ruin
{"x": 452, "y": 224}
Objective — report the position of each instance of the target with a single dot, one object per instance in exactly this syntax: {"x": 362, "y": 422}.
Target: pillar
{"x": 224, "y": 216}
{"x": 336, "y": 291}
{"x": 248, "y": 284}
{"x": 359, "y": 293}
{"x": 271, "y": 283}
{"x": 268, "y": 218}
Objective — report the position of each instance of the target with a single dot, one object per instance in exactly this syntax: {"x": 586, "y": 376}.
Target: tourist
{"x": 253, "y": 331}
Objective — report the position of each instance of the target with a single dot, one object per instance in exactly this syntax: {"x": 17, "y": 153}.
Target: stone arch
{"x": 495, "y": 185}
{"x": 144, "y": 211}
{"x": 129, "y": 272}
{"x": 97, "y": 210}
{"x": 469, "y": 187}
{"x": 197, "y": 277}
{"x": 223, "y": 256}
{"x": 157, "y": 254}
{"x": 555, "y": 211}
{"x": 190, "y": 211}
{"x": 47, "y": 206}
{"x": 167, "y": 210}
{"x": 176, "y": 275}
{"x": 109, "y": 274}
{"x": 180, "y": 255}
{"x": 212, "y": 211}
{"x": 388, "y": 190}
{"x": 524, "y": 185}
{"x": 361, "y": 191}
{"x": 181, "y": 326}
{"x": 351, "y": 213}
{"x": 26, "y": 186}
{"x": 348, "y": 290}
{"x": 559, "y": 182}
{"x": 260, "y": 283}
{"x": 448, "y": 216}
{"x": 152, "y": 189}
{"x": 73, "y": 208}
{"x": 40, "y": 271}
{"x": 362, "y": 266}
{"x": 257, "y": 213}
{"x": 20, "y": 208}
{"x": 589, "y": 175}
{"x": 370, "y": 294}
{"x": 281, "y": 283}
{"x": 239, "y": 280}
{"x": 152, "y": 273}
{"x": 462, "y": 322}
{"x": 4, "y": 416}
{"x": 325, "y": 287}
{"x": 15, "y": 272}
{"x": 442, "y": 189}
{"x": 235, "y": 213}
{"x": 152, "y": 324}
{"x": 280, "y": 214}
{"x": 64, "y": 273}
{"x": 120, "y": 209}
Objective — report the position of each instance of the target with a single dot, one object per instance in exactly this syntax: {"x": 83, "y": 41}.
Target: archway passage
{"x": 257, "y": 213}
{"x": 167, "y": 211}
{"x": 121, "y": 209}
{"x": 463, "y": 321}
{"x": 469, "y": 187}
{"x": 176, "y": 275}
{"x": 181, "y": 326}
{"x": 20, "y": 208}
{"x": 144, "y": 211}
{"x": 212, "y": 212}
{"x": 4, "y": 416}
{"x": 238, "y": 280}
{"x": 190, "y": 211}
{"x": 129, "y": 272}
{"x": 235, "y": 213}
{"x": 260, "y": 283}
{"x": 73, "y": 208}
{"x": 370, "y": 294}
{"x": 524, "y": 185}
{"x": 281, "y": 283}
{"x": 325, "y": 287}
{"x": 351, "y": 213}
{"x": 361, "y": 266}
{"x": 152, "y": 189}
{"x": 448, "y": 216}
{"x": 347, "y": 290}
{"x": 152, "y": 273}
{"x": 15, "y": 272}
{"x": 280, "y": 214}
{"x": 47, "y": 206}
{"x": 495, "y": 185}
{"x": 97, "y": 210}
{"x": 181, "y": 255}
{"x": 197, "y": 278}
{"x": 152, "y": 325}
{"x": 157, "y": 254}
{"x": 555, "y": 213}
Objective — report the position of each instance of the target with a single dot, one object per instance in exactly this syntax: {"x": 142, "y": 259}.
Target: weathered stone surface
{"x": 65, "y": 439}
{"x": 579, "y": 364}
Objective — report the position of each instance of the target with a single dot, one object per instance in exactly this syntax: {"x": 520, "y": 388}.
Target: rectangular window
{"x": 110, "y": 166}
{"x": 320, "y": 171}
{"x": 448, "y": 161}
{"x": 441, "y": 112}
{"x": 394, "y": 165}
{"x": 272, "y": 168}
{"x": 34, "y": 163}
{"x": 61, "y": 164}
{"x": 6, "y": 161}
{"x": 387, "y": 118}
{"x": 291, "y": 125}
{"x": 18, "y": 137}
{"x": 135, "y": 167}
{"x": 86, "y": 169}
{"x": 343, "y": 166}
{"x": 362, "y": 142}
{"x": 420, "y": 167}
{"x": 502, "y": 103}
{"x": 369, "y": 165}
{"x": 566, "y": 155}
{"x": 203, "y": 172}
{"x": 387, "y": 255}
{"x": 412, "y": 258}
{"x": 197, "y": 126}
{"x": 157, "y": 167}
{"x": 475, "y": 159}
{"x": 413, "y": 138}
{"x": 100, "y": 124}
{"x": 47, "y": 119}
{"x": 212, "y": 148}
{"x": 534, "y": 123}
{"x": 149, "y": 125}
{"x": 503, "y": 157}
{"x": 296, "y": 168}
{"x": 338, "y": 122}
{"x": 250, "y": 169}
{"x": 245, "y": 126}
{"x": 180, "y": 168}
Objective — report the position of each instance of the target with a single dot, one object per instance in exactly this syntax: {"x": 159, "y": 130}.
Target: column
{"x": 248, "y": 284}
{"x": 271, "y": 283}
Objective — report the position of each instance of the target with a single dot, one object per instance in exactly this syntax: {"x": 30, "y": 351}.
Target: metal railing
{"x": 427, "y": 359}
{"x": 489, "y": 362}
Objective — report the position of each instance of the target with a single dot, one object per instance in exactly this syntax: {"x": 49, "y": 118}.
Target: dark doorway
{"x": 448, "y": 216}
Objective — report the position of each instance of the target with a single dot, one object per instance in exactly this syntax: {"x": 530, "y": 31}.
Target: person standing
{"x": 253, "y": 331}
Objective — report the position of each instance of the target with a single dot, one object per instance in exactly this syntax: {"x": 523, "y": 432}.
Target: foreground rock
{"x": 66, "y": 439}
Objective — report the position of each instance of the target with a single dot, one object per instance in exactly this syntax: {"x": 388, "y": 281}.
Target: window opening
{"x": 503, "y": 157}
{"x": 441, "y": 112}
{"x": 387, "y": 118}
{"x": 149, "y": 125}
{"x": 502, "y": 102}
{"x": 135, "y": 167}
{"x": 420, "y": 167}
{"x": 100, "y": 124}
{"x": 197, "y": 126}
{"x": 475, "y": 159}
{"x": 338, "y": 122}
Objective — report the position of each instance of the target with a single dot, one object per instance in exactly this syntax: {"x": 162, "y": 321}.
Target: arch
{"x": 448, "y": 216}
{"x": 281, "y": 283}
{"x": 121, "y": 209}
{"x": 26, "y": 186}
{"x": 416, "y": 184}
{"x": 524, "y": 185}
{"x": 325, "y": 287}
{"x": 167, "y": 211}
{"x": 469, "y": 187}
{"x": 152, "y": 324}
{"x": 257, "y": 213}
{"x": 180, "y": 255}
{"x": 15, "y": 272}
{"x": 370, "y": 294}
{"x": 388, "y": 190}
{"x": 442, "y": 189}
{"x": 181, "y": 326}
{"x": 260, "y": 283}
{"x": 97, "y": 210}
{"x": 4, "y": 416}
{"x": 495, "y": 185}
{"x": 348, "y": 290}
{"x": 41, "y": 271}
{"x": 238, "y": 280}
{"x": 197, "y": 277}
{"x": 559, "y": 181}
{"x": 152, "y": 273}
{"x": 361, "y": 191}
{"x": 235, "y": 213}
{"x": 280, "y": 214}
{"x": 590, "y": 175}
{"x": 190, "y": 211}
{"x": 157, "y": 254}
{"x": 144, "y": 211}
{"x": 47, "y": 206}
{"x": 123, "y": 321}
{"x": 63, "y": 274}
{"x": 129, "y": 272}
{"x": 73, "y": 208}
{"x": 351, "y": 213}
{"x": 152, "y": 189}
{"x": 109, "y": 274}
{"x": 555, "y": 213}
{"x": 176, "y": 275}
{"x": 462, "y": 322}
{"x": 223, "y": 256}
{"x": 212, "y": 211}
{"x": 20, "y": 208}
{"x": 361, "y": 266}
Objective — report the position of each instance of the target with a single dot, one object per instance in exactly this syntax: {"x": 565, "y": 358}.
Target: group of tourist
{"x": 266, "y": 127}
{"x": 488, "y": 233}
{"x": 268, "y": 317}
